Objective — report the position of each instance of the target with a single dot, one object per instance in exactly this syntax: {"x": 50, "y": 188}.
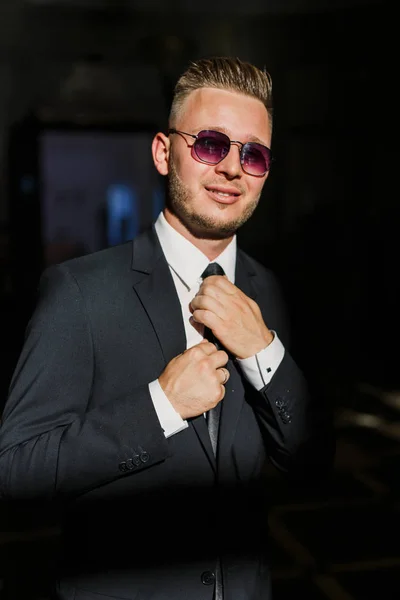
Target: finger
{"x": 226, "y": 294}
{"x": 213, "y": 289}
{"x": 219, "y": 283}
{"x": 219, "y": 359}
{"x": 223, "y": 375}
{"x": 207, "y": 318}
{"x": 200, "y": 350}
{"x": 203, "y": 302}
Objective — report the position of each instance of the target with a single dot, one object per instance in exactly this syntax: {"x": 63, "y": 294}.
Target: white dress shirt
{"x": 187, "y": 263}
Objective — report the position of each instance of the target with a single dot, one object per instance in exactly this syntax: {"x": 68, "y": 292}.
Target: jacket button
{"x": 136, "y": 460}
{"x": 208, "y": 578}
{"x": 130, "y": 464}
{"x": 122, "y": 467}
{"x": 144, "y": 457}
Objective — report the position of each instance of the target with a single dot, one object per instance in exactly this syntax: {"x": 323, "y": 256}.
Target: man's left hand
{"x": 234, "y": 318}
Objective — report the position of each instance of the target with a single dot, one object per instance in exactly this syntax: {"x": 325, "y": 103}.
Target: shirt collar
{"x": 186, "y": 260}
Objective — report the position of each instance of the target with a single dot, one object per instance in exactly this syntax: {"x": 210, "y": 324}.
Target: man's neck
{"x": 210, "y": 247}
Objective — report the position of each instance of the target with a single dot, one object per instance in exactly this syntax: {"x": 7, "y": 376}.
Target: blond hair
{"x": 224, "y": 73}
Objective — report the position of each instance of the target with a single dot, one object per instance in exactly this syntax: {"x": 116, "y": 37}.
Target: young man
{"x": 151, "y": 438}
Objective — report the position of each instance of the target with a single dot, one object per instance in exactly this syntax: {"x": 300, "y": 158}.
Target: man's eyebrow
{"x": 249, "y": 137}
{"x": 254, "y": 138}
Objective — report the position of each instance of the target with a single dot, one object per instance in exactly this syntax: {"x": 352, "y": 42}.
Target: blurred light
{"x": 122, "y": 214}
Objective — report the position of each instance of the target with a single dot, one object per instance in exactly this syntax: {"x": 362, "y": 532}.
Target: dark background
{"x": 327, "y": 223}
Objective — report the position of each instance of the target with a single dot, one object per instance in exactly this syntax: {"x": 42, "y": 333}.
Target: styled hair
{"x": 225, "y": 73}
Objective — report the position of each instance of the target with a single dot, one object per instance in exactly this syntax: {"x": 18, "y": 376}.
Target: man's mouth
{"x": 225, "y": 195}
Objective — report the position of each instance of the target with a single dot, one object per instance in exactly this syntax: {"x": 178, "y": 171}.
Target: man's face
{"x": 213, "y": 201}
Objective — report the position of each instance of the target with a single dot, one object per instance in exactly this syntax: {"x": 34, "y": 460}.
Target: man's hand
{"x": 234, "y": 318}
{"x": 193, "y": 381}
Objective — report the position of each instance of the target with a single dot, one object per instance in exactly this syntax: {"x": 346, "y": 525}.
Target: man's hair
{"x": 223, "y": 73}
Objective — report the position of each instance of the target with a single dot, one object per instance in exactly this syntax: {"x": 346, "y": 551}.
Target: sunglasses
{"x": 211, "y": 147}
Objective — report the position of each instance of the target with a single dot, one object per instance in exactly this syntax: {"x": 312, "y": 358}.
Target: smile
{"x": 224, "y": 196}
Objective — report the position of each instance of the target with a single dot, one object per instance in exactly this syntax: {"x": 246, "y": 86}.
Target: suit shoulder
{"x": 105, "y": 262}
{"x": 253, "y": 265}
{"x": 91, "y": 274}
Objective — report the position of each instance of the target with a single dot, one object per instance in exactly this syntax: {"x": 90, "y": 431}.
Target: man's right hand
{"x": 194, "y": 381}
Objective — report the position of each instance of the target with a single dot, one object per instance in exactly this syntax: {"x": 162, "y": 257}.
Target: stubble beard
{"x": 200, "y": 225}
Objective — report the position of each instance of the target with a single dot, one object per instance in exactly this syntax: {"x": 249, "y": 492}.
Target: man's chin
{"x": 210, "y": 230}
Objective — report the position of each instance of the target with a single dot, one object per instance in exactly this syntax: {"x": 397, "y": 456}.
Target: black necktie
{"x": 213, "y": 415}
{"x": 212, "y": 418}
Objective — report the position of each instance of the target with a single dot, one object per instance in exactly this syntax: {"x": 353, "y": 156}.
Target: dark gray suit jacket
{"x": 144, "y": 516}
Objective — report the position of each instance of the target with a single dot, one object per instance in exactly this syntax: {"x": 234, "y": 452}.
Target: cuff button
{"x": 136, "y": 460}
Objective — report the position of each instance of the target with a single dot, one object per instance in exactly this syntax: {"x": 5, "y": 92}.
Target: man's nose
{"x": 230, "y": 166}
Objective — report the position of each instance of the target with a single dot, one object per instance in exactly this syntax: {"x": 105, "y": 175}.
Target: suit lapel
{"x": 155, "y": 288}
{"x": 153, "y": 283}
{"x": 244, "y": 276}
{"x": 234, "y": 394}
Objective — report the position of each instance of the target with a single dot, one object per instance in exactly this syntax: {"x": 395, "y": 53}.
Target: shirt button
{"x": 208, "y": 578}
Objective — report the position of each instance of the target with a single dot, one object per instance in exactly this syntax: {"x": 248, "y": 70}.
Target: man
{"x": 113, "y": 407}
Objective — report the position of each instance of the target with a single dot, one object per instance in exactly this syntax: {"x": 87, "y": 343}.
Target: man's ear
{"x": 160, "y": 149}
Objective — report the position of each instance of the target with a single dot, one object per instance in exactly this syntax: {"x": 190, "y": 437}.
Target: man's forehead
{"x": 230, "y": 112}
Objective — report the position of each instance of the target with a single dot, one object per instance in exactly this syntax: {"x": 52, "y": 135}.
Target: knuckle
{"x": 206, "y": 366}
{"x": 199, "y": 302}
{"x": 197, "y": 353}
{"x": 203, "y": 365}
{"x": 254, "y": 305}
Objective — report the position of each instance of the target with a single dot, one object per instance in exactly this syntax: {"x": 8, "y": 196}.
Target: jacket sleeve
{"x": 52, "y": 442}
{"x": 297, "y": 425}
{"x": 294, "y": 414}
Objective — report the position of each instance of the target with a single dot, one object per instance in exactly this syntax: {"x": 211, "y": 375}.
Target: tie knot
{"x": 213, "y": 269}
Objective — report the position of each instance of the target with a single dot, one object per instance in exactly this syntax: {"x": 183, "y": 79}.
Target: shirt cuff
{"x": 170, "y": 420}
{"x": 260, "y": 368}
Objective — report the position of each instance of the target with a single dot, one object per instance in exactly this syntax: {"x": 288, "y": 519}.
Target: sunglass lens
{"x": 211, "y": 146}
{"x": 255, "y": 159}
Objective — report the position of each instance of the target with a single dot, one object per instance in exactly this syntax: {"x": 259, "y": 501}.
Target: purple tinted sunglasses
{"x": 212, "y": 147}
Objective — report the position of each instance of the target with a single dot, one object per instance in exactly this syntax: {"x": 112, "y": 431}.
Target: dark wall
{"x": 331, "y": 196}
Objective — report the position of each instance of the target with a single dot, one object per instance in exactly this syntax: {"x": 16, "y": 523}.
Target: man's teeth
{"x": 223, "y": 194}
